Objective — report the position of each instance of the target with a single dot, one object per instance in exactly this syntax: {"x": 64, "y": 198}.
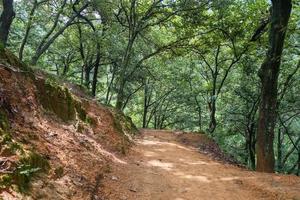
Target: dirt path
{"x": 161, "y": 169}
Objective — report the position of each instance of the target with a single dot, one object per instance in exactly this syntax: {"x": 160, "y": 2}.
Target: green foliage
{"x": 4, "y": 123}
{"x": 1, "y": 47}
{"x": 28, "y": 167}
{"x": 8, "y": 145}
{"x": 5, "y": 181}
{"x": 29, "y": 164}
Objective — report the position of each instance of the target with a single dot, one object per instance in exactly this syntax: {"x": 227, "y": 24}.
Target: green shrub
{"x": 29, "y": 166}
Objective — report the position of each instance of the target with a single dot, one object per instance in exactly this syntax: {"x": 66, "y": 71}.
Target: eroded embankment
{"x": 54, "y": 144}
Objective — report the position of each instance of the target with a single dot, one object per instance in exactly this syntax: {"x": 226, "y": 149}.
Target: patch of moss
{"x": 4, "y": 123}
{"x": 10, "y": 148}
{"x": 28, "y": 165}
{"x": 5, "y": 137}
{"x": 125, "y": 127}
{"x": 80, "y": 111}
{"x": 91, "y": 121}
{"x": 7, "y": 145}
{"x": 56, "y": 99}
{"x": 70, "y": 104}
{"x": 5, "y": 181}
{"x": 124, "y": 123}
{"x": 7, "y": 57}
{"x": 117, "y": 125}
{"x": 80, "y": 127}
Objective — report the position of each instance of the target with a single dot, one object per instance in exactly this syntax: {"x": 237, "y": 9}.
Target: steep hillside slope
{"x": 56, "y": 142}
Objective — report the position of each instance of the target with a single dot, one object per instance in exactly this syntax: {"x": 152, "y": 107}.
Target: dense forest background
{"x": 188, "y": 64}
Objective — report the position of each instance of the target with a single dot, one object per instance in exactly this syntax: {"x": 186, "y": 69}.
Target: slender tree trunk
{"x": 200, "y": 118}
{"x": 110, "y": 85}
{"x": 124, "y": 66}
{"x": 65, "y": 70}
{"x": 28, "y": 28}
{"x": 279, "y": 150}
{"x": 81, "y": 76}
{"x": 145, "y": 112}
{"x": 6, "y": 19}
{"x": 81, "y": 50}
{"x": 213, "y": 121}
{"x": 95, "y": 76}
{"x": 269, "y": 72}
{"x": 199, "y": 110}
{"x": 213, "y": 98}
{"x": 250, "y": 142}
{"x": 120, "y": 95}
{"x": 298, "y": 171}
{"x": 87, "y": 70}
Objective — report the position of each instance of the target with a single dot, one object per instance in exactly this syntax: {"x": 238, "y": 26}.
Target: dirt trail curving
{"x": 159, "y": 168}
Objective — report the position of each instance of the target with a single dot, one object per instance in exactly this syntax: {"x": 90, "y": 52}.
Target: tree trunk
{"x": 199, "y": 110}
{"x": 269, "y": 78}
{"x": 95, "y": 76}
{"x": 81, "y": 50}
{"x": 146, "y": 104}
{"x": 251, "y": 147}
{"x": 65, "y": 70}
{"x": 110, "y": 85}
{"x": 124, "y": 66}
{"x": 6, "y": 19}
{"x": 213, "y": 98}
{"x": 279, "y": 150}
{"x": 28, "y": 28}
{"x": 213, "y": 121}
{"x": 87, "y": 72}
{"x": 120, "y": 95}
{"x": 298, "y": 171}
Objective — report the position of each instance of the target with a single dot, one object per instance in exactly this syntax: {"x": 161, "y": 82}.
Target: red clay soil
{"x": 79, "y": 153}
{"x": 161, "y": 168}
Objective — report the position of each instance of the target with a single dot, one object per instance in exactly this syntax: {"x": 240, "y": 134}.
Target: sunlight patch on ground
{"x": 179, "y": 173}
{"x": 229, "y": 178}
{"x": 151, "y": 142}
{"x": 199, "y": 163}
{"x": 192, "y": 177}
{"x": 163, "y": 165}
{"x": 149, "y": 154}
{"x": 161, "y": 150}
{"x": 197, "y": 178}
{"x": 148, "y": 142}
